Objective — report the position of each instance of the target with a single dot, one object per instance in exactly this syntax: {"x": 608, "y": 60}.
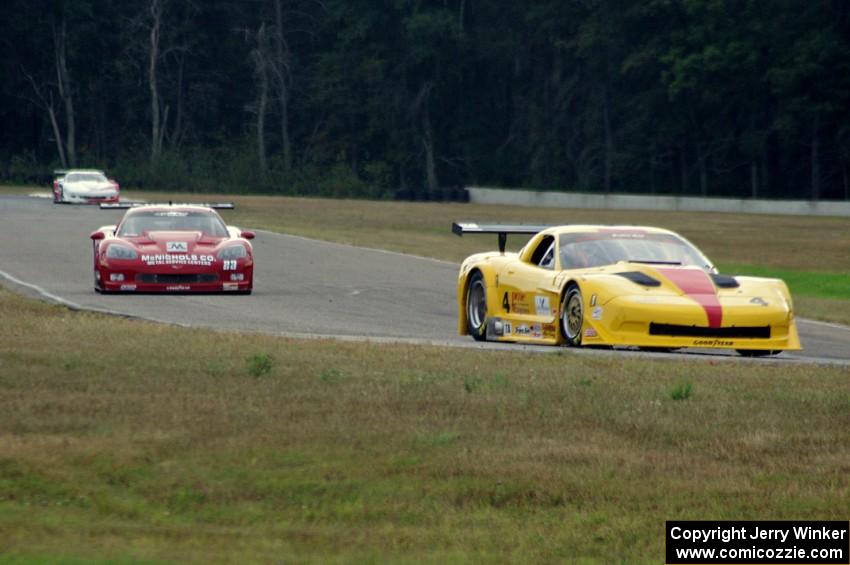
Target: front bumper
{"x": 90, "y": 197}
{"x": 679, "y": 322}
{"x": 126, "y": 279}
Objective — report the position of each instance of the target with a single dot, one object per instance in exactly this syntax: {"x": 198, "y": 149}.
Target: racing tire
{"x": 476, "y": 307}
{"x": 572, "y": 316}
{"x": 758, "y": 352}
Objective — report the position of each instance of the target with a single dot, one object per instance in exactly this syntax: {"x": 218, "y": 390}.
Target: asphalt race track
{"x": 302, "y": 287}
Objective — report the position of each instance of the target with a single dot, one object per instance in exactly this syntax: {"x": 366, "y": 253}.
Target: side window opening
{"x": 544, "y": 255}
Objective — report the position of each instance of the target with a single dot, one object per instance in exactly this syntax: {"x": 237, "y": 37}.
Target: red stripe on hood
{"x": 697, "y": 285}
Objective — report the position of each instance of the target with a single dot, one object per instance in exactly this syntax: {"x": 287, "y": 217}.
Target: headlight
{"x": 116, "y": 251}
{"x": 233, "y": 252}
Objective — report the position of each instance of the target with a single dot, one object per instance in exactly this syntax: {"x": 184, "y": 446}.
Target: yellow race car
{"x": 585, "y": 285}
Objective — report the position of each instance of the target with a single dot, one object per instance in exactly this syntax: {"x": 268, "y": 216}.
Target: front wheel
{"x": 572, "y": 316}
{"x": 476, "y": 307}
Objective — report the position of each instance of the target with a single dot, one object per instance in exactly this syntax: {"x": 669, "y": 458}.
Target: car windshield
{"x": 85, "y": 177}
{"x": 595, "y": 249}
{"x": 140, "y": 223}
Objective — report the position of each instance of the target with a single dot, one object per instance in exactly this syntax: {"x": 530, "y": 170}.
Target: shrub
{"x": 260, "y": 364}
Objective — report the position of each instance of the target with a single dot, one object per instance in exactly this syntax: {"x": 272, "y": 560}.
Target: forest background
{"x": 413, "y": 98}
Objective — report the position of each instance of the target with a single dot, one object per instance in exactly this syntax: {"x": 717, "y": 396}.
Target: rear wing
{"x": 128, "y": 205}
{"x": 63, "y": 172}
{"x": 460, "y": 228}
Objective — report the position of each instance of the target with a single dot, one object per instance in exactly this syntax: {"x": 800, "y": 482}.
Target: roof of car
{"x": 170, "y": 207}
{"x": 582, "y": 228}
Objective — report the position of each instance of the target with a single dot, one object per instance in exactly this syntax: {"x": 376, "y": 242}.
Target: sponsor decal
{"x": 176, "y": 247}
{"x": 229, "y": 286}
{"x": 590, "y": 332}
{"x": 507, "y": 328}
{"x": 128, "y": 287}
{"x": 549, "y": 330}
{"x": 759, "y": 301}
{"x": 596, "y": 314}
{"x": 178, "y": 287}
{"x": 541, "y": 305}
{"x": 697, "y": 286}
{"x": 628, "y": 236}
{"x": 593, "y": 300}
{"x": 627, "y": 233}
{"x": 237, "y": 276}
{"x": 712, "y": 343}
{"x": 185, "y": 259}
{"x": 171, "y": 214}
{"x": 523, "y": 329}
{"x": 535, "y": 330}
{"x": 519, "y": 303}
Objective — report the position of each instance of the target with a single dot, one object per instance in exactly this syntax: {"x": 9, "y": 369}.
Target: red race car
{"x": 172, "y": 248}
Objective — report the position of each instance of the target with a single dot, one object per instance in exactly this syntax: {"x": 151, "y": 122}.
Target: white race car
{"x": 84, "y": 186}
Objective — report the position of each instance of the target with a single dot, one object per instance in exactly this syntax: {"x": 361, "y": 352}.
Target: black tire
{"x": 572, "y": 316}
{"x": 476, "y": 307}
{"x": 758, "y": 352}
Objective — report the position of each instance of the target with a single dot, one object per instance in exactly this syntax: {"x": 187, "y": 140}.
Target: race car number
{"x": 229, "y": 264}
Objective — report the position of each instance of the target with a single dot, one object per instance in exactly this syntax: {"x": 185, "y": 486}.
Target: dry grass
{"x": 128, "y": 440}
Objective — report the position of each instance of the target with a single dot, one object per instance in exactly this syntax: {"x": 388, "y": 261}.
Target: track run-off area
{"x": 302, "y": 288}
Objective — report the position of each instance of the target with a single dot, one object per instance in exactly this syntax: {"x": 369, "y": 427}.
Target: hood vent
{"x": 640, "y": 278}
{"x": 725, "y": 281}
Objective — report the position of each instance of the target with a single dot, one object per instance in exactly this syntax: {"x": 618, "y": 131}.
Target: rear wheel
{"x": 572, "y": 316}
{"x": 758, "y": 352}
{"x": 476, "y": 307}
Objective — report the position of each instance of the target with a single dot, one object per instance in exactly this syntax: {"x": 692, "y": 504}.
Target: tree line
{"x": 376, "y": 98}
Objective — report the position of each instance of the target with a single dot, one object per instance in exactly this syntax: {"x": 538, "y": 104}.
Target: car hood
{"x": 709, "y": 290}
{"x": 176, "y": 242}
{"x": 89, "y": 186}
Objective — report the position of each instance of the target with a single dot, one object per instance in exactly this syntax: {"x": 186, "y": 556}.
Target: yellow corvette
{"x": 588, "y": 285}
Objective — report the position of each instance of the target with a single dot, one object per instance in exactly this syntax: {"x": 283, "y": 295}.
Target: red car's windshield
{"x": 139, "y": 223}
{"x": 595, "y": 249}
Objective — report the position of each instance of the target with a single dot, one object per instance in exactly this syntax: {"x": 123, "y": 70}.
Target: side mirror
{"x": 97, "y": 235}
{"x": 247, "y": 234}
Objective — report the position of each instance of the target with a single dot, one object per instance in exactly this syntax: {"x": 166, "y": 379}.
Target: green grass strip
{"x": 801, "y": 283}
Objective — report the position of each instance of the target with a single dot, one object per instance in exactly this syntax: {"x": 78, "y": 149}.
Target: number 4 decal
{"x": 506, "y": 304}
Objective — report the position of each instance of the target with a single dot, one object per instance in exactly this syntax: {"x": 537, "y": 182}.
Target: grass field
{"x": 128, "y": 441}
